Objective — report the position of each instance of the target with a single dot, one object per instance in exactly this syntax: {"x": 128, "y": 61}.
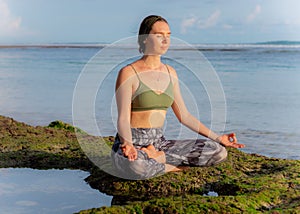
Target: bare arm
{"x": 123, "y": 100}
{"x": 187, "y": 119}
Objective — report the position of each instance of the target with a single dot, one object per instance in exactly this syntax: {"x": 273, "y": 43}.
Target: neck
{"x": 152, "y": 61}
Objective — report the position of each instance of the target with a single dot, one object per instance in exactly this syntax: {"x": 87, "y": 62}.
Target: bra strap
{"x": 139, "y": 76}
{"x": 168, "y": 72}
{"x": 135, "y": 72}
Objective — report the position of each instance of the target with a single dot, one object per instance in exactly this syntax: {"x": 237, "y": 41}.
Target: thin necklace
{"x": 149, "y": 66}
{"x": 157, "y": 78}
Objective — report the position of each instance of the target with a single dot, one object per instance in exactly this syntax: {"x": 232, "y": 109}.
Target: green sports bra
{"x": 145, "y": 98}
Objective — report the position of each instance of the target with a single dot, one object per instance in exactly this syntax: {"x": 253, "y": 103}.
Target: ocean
{"x": 250, "y": 89}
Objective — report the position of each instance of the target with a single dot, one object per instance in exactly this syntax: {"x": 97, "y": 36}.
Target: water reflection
{"x": 27, "y": 190}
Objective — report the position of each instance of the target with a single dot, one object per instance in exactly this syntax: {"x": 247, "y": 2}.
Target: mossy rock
{"x": 54, "y": 146}
{"x": 61, "y": 125}
{"x": 58, "y": 124}
{"x": 245, "y": 183}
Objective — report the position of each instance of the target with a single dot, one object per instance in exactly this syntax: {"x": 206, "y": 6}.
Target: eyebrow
{"x": 161, "y": 33}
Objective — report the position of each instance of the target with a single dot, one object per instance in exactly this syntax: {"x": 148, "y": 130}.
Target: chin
{"x": 158, "y": 52}
{"x": 163, "y": 51}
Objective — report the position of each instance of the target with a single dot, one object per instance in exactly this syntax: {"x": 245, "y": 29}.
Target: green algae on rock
{"x": 22, "y": 145}
{"x": 245, "y": 183}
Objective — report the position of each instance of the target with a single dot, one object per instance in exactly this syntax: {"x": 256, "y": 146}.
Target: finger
{"x": 124, "y": 150}
{"x": 133, "y": 154}
{"x": 127, "y": 152}
{"x": 232, "y": 138}
{"x": 231, "y": 135}
{"x": 132, "y": 157}
{"x": 242, "y": 145}
{"x": 238, "y": 145}
{"x": 234, "y": 145}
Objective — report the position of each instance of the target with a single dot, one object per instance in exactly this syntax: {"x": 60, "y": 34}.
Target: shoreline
{"x": 199, "y": 47}
{"x": 244, "y": 183}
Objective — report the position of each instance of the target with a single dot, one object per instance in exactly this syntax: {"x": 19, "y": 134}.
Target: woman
{"x": 145, "y": 89}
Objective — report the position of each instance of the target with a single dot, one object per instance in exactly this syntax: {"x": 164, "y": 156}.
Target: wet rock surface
{"x": 245, "y": 183}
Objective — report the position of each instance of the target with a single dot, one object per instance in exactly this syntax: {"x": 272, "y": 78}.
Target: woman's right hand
{"x": 129, "y": 151}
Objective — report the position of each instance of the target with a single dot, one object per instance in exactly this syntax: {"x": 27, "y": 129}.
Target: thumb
{"x": 232, "y": 137}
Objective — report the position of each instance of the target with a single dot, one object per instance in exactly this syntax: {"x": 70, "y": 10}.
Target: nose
{"x": 165, "y": 38}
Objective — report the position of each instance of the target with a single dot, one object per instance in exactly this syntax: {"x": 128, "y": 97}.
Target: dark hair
{"x": 145, "y": 29}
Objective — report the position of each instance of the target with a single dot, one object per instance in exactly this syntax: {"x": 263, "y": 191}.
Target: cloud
{"x": 7, "y": 188}
{"x": 9, "y": 24}
{"x": 210, "y": 21}
{"x": 187, "y": 23}
{"x": 200, "y": 24}
{"x": 26, "y": 203}
{"x": 254, "y": 13}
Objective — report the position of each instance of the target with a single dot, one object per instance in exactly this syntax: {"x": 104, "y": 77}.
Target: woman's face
{"x": 158, "y": 40}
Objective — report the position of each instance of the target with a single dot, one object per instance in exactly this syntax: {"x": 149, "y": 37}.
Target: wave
{"x": 280, "y": 42}
{"x": 269, "y": 45}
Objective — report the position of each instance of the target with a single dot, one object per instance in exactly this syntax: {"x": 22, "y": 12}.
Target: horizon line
{"x": 105, "y": 44}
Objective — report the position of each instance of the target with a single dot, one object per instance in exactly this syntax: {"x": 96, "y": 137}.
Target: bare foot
{"x": 171, "y": 168}
{"x": 159, "y": 156}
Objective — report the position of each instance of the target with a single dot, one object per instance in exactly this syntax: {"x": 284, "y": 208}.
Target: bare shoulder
{"x": 172, "y": 71}
{"x": 125, "y": 73}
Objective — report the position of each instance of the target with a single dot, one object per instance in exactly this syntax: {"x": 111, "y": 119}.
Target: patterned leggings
{"x": 178, "y": 152}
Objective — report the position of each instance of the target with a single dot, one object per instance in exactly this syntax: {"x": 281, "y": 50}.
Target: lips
{"x": 165, "y": 47}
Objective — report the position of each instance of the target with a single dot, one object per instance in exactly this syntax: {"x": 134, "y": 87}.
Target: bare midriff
{"x": 148, "y": 119}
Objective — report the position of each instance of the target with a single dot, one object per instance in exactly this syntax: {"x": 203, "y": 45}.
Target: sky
{"x": 107, "y": 21}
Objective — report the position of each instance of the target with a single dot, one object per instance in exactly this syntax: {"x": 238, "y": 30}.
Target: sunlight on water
{"x": 261, "y": 84}
{"x": 24, "y": 190}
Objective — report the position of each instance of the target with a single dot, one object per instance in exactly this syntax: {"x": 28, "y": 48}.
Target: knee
{"x": 128, "y": 169}
{"x": 223, "y": 153}
{"x": 144, "y": 169}
{"x": 141, "y": 168}
{"x": 221, "y": 156}
{"x": 137, "y": 168}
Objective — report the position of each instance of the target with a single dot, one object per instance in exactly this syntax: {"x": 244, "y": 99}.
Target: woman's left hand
{"x": 229, "y": 140}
